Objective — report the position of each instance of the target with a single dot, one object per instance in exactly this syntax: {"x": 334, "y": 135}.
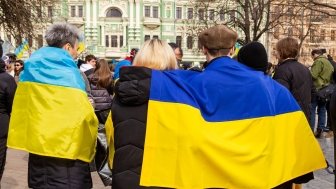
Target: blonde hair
{"x": 156, "y": 54}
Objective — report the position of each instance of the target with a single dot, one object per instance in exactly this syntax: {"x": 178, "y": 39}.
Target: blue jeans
{"x": 320, "y": 104}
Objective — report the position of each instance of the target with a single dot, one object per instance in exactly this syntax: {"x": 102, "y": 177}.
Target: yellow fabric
{"x": 258, "y": 153}
{"x": 110, "y": 138}
{"x": 53, "y": 121}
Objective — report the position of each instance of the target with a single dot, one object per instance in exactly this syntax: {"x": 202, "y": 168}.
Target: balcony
{"x": 77, "y": 21}
{"x": 151, "y": 23}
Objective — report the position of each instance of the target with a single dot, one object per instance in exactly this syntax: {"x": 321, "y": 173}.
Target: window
{"x": 312, "y": 36}
{"x": 179, "y": 41}
{"x": 201, "y": 14}
{"x": 107, "y": 44}
{"x": 332, "y": 35}
{"x": 211, "y": 14}
{"x": 114, "y": 41}
{"x": 80, "y": 11}
{"x": 323, "y": 34}
{"x": 9, "y": 38}
{"x": 290, "y": 32}
{"x": 179, "y": 12}
{"x": 190, "y": 42}
{"x": 121, "y": 41}
{"x": 114, "y": 13}
{"x": 50, "y": 11}
{"x": 147, "y": 37}
{"x": 30, "y": 41}
{"x": 155, "y": 37}
{"x": 155, "y": 12}
{"x": 73, "y": 11}
{"x": 39, "y": 11}
{"x": 221, "y": 15}
{"x": 39, "y": 41}
{"x": 190, "y": 13}
{"x": 276, "y": 33}
{"x": 232, "y": 16}
{"x": 147, "y": 11}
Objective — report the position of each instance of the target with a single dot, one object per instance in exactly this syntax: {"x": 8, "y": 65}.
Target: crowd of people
{"x": 232, "y": 123}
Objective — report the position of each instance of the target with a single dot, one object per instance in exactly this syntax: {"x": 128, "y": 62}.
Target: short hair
{"x": 287, "y": 47}
{"x": 156, "y": 54}
{"x": 317, "y": 51}
{"x": 60, "y": 34}
{"x": 89, "y": 57}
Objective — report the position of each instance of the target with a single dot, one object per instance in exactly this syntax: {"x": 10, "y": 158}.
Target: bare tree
{"x": 254, "y": 18}
{"x": 21, "y": 18}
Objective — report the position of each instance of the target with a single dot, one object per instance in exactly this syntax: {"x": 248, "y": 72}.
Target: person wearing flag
{"x": 226, "y": 127}
{"x": 52, "y": 118}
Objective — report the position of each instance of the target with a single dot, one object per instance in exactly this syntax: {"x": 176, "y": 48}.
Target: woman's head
{"x": 287, "y": 48}
{"x": 18, "y": 65}
{"x": 156, "y": 54}
{"x": 103, "y": 73}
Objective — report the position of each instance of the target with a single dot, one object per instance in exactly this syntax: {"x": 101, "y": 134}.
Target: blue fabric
{"x": 237, "y": 91}
{"x": 54, "y": 66}
{"x": 120, "y": 65}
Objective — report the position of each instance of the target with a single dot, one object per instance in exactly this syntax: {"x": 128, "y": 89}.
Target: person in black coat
{"x": 7, "y": 91}
{"x": 129, "y": 111}
{"x": 292, "y": 74}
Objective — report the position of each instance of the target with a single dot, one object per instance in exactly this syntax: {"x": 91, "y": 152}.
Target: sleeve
{"x": 316, "y": 69}
{"x": 282, "y": 77}
{"x": 10, "y": 92}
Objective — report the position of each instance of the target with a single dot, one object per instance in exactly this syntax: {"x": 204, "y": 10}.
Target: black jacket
{"x": 7, "y": 91}
{"x": 297, "y": 79}
{"x": 129, "y": 114}
{"x": 101, "y": 96}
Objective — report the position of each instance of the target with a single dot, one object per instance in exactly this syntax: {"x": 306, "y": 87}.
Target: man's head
{"x": 217, "y": 41}
{"x": 287, "y": 48}
{"x": 90, "y": 59}
{"x": 63, "y": 35}
{"x": 316, "y": 53}
{"x": 177, "y": 51}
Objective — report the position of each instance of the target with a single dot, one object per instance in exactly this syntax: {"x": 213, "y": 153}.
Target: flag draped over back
{"x": 227, "y": 127}
{"x": 51, "y": 113}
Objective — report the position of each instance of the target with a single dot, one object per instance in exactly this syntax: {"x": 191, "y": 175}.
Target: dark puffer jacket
{"x": 129, "y": 113}
{"x": 297, "y": 79}
{"x": 102, "y": 98}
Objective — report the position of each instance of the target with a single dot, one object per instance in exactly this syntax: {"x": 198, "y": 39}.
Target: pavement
{"x": 15, "y": 175}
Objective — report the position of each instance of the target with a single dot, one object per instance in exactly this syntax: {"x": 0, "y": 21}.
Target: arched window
{"x": 114, "y": 12}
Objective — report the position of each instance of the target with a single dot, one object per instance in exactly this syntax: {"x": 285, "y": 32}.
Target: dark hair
{"x": 175, "y": 46}
{"x": 89, "y": 57}
{"x": 218, "y": 52}
{"x": 317, "y": 51}
{"x": 288, "y": 48}
{"x": 17, "y": 72}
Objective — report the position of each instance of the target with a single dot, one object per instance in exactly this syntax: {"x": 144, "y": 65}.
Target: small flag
{"x": 21, "y": 49}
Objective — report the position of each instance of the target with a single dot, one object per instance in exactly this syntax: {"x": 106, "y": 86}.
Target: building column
{"x": 102, "y": 35}
{"x": 124, "y": 34}
{"x": 137, "y": 26}
{"x": 131, "y": 19}
{"x": 94, "y": 22}
{"x": 87, "y": 12}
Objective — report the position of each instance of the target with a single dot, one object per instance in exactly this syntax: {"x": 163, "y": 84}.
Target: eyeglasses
{"x": 17, "y": 65}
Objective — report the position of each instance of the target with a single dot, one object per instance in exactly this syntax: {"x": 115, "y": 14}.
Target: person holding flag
{"x": 226, "y": 127}
{"x": 52, "y": 118}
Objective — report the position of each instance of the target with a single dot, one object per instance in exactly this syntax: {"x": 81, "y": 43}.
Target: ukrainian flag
{"x": 227, "y": 127}
{"x": 51, "y": 113}
{"x": 21, "y": 49}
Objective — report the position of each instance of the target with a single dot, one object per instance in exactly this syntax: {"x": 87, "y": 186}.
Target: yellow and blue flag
{"x": 227, "y": 127}
{"x": 21, "y": 49}
{"x": 51, "y": 114}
